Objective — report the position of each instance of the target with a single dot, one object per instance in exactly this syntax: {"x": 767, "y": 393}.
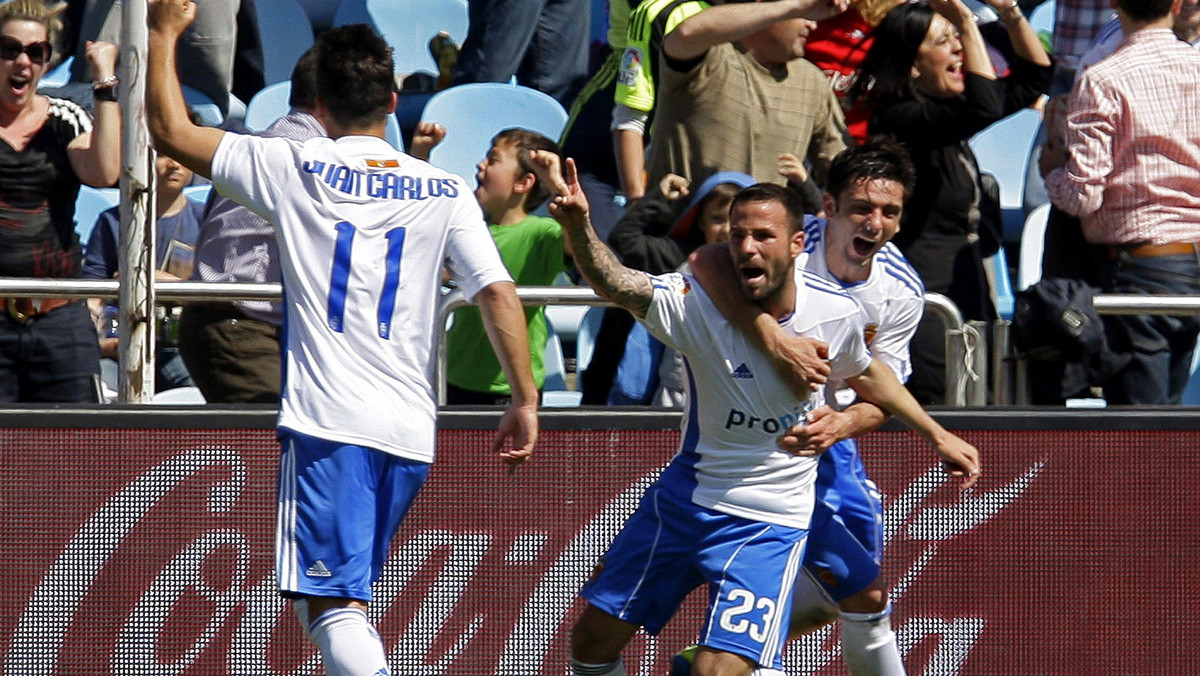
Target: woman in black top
{"x": 933, "y": 86}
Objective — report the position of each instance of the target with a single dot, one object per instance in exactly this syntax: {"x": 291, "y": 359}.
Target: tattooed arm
{"x": 626, "y": 287}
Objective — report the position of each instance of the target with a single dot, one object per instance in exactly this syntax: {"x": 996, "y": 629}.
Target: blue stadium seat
{"x": 1033, "y": 240}
{"x": 1042, "y": 17}
{"x": 58, "y": 77}
{"x": 88, "y": 206}
{"x": 585, "y": 340}
{"x": 209, "y": 112}
{"x": 408, "y": 27}
{"x": 1002, "y": 292}
{"x": 286, "y": 34}
{"x": 268, "y": 105}
{"x": 1191, "y": 392}
{"x": 555, "y": 393}
{"x": 474, "y": 113}
{"x": 1003, "y": 150}
{"x": 198, "y": 193}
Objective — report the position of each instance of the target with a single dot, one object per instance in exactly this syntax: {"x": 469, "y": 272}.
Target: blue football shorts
{"x": 338, "y": 507}
{"x": 845, "y": 542}
{"x": 669, "y": 546}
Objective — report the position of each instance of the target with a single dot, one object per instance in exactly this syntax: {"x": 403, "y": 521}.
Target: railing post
{"x": 136, "y": 325}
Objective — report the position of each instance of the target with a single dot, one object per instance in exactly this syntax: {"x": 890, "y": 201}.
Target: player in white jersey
{"x": 851, "y": 249}
{"x": 731, "y": 509}
{"x": 364, "y": 232}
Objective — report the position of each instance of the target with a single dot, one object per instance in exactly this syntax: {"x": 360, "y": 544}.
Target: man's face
{"x": 1187, "y": 22}
{"x": 862, "y": 219}
{"x": 763, "y": 248}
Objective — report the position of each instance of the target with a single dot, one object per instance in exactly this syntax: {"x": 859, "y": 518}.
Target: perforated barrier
{"x": 141, "y": 543}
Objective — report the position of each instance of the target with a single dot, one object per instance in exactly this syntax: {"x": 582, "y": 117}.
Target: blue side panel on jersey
{"x": 340, "y": 276}
{"x": 283, "y": 345}
{"x": 682, "y": 481}
{"x": 391, "y": 281}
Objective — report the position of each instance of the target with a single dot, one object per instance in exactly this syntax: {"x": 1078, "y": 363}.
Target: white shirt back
{"x": 364, "y": 231}
{"x": 737, "y": 406}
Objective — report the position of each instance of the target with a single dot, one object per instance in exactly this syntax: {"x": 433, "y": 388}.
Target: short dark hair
{"x": 880, "y": 157}
{"x": 526, "y": 141}
{"x": 886, "y": 71}
{"x": 793, "y": 206}
{"x": 1145, "y": 10}
{"x": 355, "y": 78}
{"x": 304, "y": 81}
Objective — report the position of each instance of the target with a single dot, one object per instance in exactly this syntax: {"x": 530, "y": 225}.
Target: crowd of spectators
{"x": 683, "y": 91}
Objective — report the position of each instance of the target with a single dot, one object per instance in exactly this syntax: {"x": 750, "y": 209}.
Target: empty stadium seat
{"x": 198, "y": 193}
{"x": 88, "y": 206}
{"x": 474, "y": 113}
{"x": 1033, "y": 240}
{"x": 1001, "y": 282}
{"x": 1191, "y": 393}
{"x": 268, "y": 105}
{"x": 1003, "y": 151}
{"x": 1042, "y": 17}
{"x": 555, "y": 393}
{"x": 286, "y": 34}
{"x": 58, "y": 77}
{"x": 585, "y": 340}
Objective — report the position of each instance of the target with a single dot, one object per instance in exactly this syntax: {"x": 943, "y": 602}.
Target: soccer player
{"x": 867, "y": 187}
{"x": 731, "y": 509}
{"x": 363, "y": 231}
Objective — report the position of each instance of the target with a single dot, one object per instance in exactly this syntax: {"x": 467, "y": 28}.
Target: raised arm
{"x": 801, "y": 362}
{"x": 504, "y": 319}
{"x": 95, "y": 157}
{"x": 727, "y": 23}
{"x": 166, "y": 113}
{"x": 1025, "y": 41}
{"x": 878, "y": 385}
{"x": 627, "y": 288}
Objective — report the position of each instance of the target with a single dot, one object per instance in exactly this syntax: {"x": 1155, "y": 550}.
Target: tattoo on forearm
{"x": 627, "y": 288}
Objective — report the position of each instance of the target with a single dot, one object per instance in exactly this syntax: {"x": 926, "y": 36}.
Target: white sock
{"x": 349, "y": 644}
{"x": 764, "y": 671}
{"x": 615, "y": 668}
{"x": 869, "y": 644}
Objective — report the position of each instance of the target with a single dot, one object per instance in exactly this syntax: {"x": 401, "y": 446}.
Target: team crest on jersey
{"x": 673, "y": 283}
{"x": 383, "y": 164}
{"x": 869, "y": 333}
{"x": 631, "y": 65}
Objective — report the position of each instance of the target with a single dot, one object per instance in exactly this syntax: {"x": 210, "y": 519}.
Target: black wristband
{"x": 105, "y": 94}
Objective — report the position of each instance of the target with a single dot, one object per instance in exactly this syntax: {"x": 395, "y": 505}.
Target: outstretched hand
{"x": 568, "y": 206}
{"x": 516, "y": 435}
{"x": 170, "y": 17}
{"x": 959, "y": 458}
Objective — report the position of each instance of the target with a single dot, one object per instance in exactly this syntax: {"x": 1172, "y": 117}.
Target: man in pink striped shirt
{"x": 1131, "y": 172}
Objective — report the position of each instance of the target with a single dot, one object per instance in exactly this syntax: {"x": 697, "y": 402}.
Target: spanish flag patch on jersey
{"x": 383, "y": 164}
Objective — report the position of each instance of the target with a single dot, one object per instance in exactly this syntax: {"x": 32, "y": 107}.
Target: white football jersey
{"x": 737, "y": 406}
{"x": 364, "y": 231}
{"x": 892, "y": 298}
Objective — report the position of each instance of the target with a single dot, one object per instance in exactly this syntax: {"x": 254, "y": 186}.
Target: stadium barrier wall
{"x": 139, "y": 541}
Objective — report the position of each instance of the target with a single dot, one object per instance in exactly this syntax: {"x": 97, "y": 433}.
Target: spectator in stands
{"x": 543, "y": 43}
{"x": 1076, "y": 24}
{"x": 533, "y": 250}
{"x": 592, "y": 111}
{"x": 933, "y": 86}
{"x": 177, "y": 226}
{"x": 206, "y": 55}
{"x": 48, "y": 349}
{"x": 734, "y": 93}
{"x": 232, "y": 349}
{"x": 838, "y": 46}
{"x": 1131, "y": 172}
{"x": 634, "y": 93}
{"x": 652, "y": 238}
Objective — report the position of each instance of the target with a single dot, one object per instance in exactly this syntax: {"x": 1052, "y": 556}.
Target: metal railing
{"x": 967, "y": 355}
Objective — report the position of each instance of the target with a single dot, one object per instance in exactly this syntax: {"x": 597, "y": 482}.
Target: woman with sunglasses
{"x": 48, "y": 348}
{"x": 931, "y": 83}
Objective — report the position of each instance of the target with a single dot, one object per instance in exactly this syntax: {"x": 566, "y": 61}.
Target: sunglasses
{"x": 11, "y": 49}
